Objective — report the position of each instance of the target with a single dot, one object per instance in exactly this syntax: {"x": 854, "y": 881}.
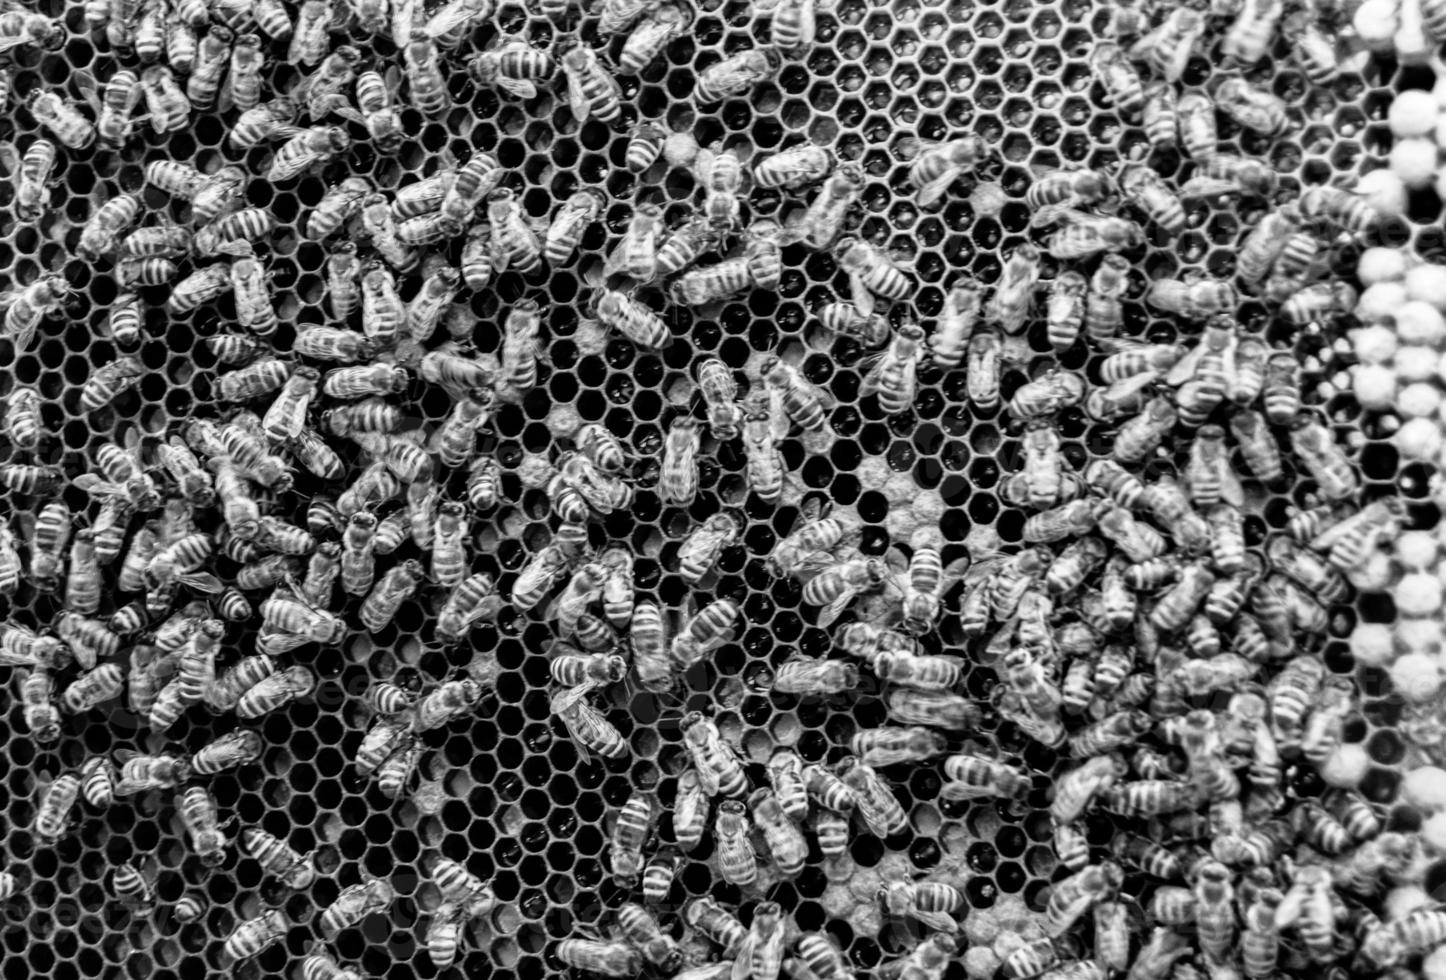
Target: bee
{"x": 354, "y": 903}
{"x": 1161, "y": 114}
{"x": 1065, "y": 311}
{"x": 659, "y": 27}
{"x": 167, "y": 105}
{"x": 1055, "y": 191}
{"x": 889, "y": 746}
{"x": 425, "y": 78}
{"x": 1253, "y": 108}
{"x": 31, "y": 173}
{"x": 1322, "y": 457}
{"x": 806, "y": 675}
{"x": 1085, "y": 235}
{"x": 924, "y": 586}
{"x": 515, "y": 244}
{"x": 937, "y": 166}
{"x": 718, "y": 768}
{"x": 880, "y": 809}
{"x": 37, "y": 696}
{"x": 838, "y": 583}
{"x": 1250, "y": 35}
{"x": 982, "y": 367}
{"x": 1014, "y": 295}
{"x": 1074, "y": 565}
{"x": 737, "y": 861}
{"x": 1167, "y": 48}
{"x": 1051, "y": 392}
{"x": 893, "y": 376}
{"x": 735, "y": 75}
{"x": 395, "y": 586}
{"x": 824, "y": 218}
{"x": 699, "y": 553}
{"x": 933, "y": 903}
{"x": 1072, "y": 897}
{"x": 61, "y": 119}
{"x": 798, "y": 399}
{"x": 230, "y": 751}
{"x": 449, "y": 555}
{"x": 275, "y": 691}
{"x": 1148, "y": 191}
{"x": 573, "y": 218}
{"x": 28, "y": 306}
{"x": 589, "y": 729}
{"x": 1317, "y": 302}
{"x": 307, "y": 149}
{"x": 591, "y": 91}
{"x": 616, "y": 958}
{"x": 93, "y": 688}
{"x": 645, "y": 145}
{"x": 1121, "y": 82}
{"x": 795, "y": 167}
{"x": 643, "y": 931}
{"x": 1077, "y": 788}
{"x": 254, "y": 936}
{"x": 1339, "y": 206}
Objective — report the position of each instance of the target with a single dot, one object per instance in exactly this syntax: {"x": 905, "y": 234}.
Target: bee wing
{"x": 835, "y": 609}
{"x": 1201, "y": 186}
{"x": 778, "y": 423}
{"x": 896, "y": 561}
{"x": 203, "y": 582}
{"x": 576, "y": 98}
{"x": 954, "y": 573}
{"x": 1230, "y": 489}
{"x": 930, "y": 193}
{"x": 876, "y": 363}
{"x": 449, "y": 18}
{"x": 942, "y": 921}
{"x": 812, "y": 564}
{"x": 343, "y": 108}
{"x": 10, "y": 158}
{"x": 859, "y": 290}
{"x": 519, "y": 87}
{"x": 1126, "y": 387}
{"x": 1184, "y": 368}
{"x": 93, "y": 484}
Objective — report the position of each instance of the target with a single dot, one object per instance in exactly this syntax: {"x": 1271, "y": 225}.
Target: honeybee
{"x": 615, "y": 958}
{"x": 1327, "y": 463}
{"x": 591, "y": 91}
{"x": 1251, "y": 33}
{"x": 514, "y": 66}
{"x": 354, "y": 903}
{"x": 71, "y": 129}
{"x": 31, "y": 176}
{"x": 889, "y": 746}
{"x": 737, "y": 860}
{"x": 1014, "y": 295}
{"x": 1084, "y": 235}
{"x": 824, "y": 218}
{"x": 1119, "y": 78}
{"x": 305, "y": 150}
{"x": 255, "y": 936}
{"x": 922, "y": 586}
{"x": 632, "y": 319}
{"x": 1161, "y": 114}
{"x": 1148, "y": 191}
{"x": 794, "y": 167}
{"x": 1251, "y": 107}
{"x": 735, "y": 74}
{"x": 590, "y": 731}
{"x": 28, "y": 306}
{"x": 875, "y": 800}
{"x": 939, "y": 165}
{"x": 1051, "y": 392}
{"x": 700, "y": 551}
{"x": 569, "y": 224}
{"x": 1167, "y": 48}
{"x": 277, "y": 858}
{"x": 719, "y": 771}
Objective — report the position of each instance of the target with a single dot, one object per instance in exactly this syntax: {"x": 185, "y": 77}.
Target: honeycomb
{"x": 505, "y": 791}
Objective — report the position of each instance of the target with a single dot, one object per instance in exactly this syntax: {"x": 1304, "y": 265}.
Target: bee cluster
{"x": 429, "y": 427}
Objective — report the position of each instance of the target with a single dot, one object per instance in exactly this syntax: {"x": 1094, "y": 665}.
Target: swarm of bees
{"x": 1143, "y": 628}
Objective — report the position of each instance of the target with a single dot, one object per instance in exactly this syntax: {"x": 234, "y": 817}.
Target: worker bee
{"x": 305, "y": 150}
{"x": 735, "y": 74}
{"x": 31, "y": 174}
{"x": 1148, "y": 191}
{"x": 590, "y": 731}
{"x": 1014, "y": 295}
{"x": 616, "y": 958}
{"x": 737, "y": 860}
{"x": 923, "y": 585}
{"x": 573, "y": 218}
{"x": 591, "y": 91}
{"x": 956, "y": 323}
{"x": 1161, "y": 114}
{"x": 632, "y": 319}
{"x": 1250, "y": 35}
{"x": 61, "y": 118}
{"x": 939, "y": 165}
{"x": 1252, "y": 107}
{"x": 794, "y": 167}
{"x": 27, "y": 306}
{"x": 254, "y": 936}
{"x": 1072, "y": 897}
{"x": 718, "y": 768}
{"x": 874, "y": 798}
{"x": 699, "y": 553}
{"x": 889, "y": 746}
{"x": 1051, "y": 392}
{"x": 824, "y": 218}
{"x": 815, "y": 676}
{"x": 1119, "y": 78}
{"x": 893, "y": 374}
{"x": 1167, "y": 48}
{"x": 354, "y": 903}
{"x": 643, "y": 931}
